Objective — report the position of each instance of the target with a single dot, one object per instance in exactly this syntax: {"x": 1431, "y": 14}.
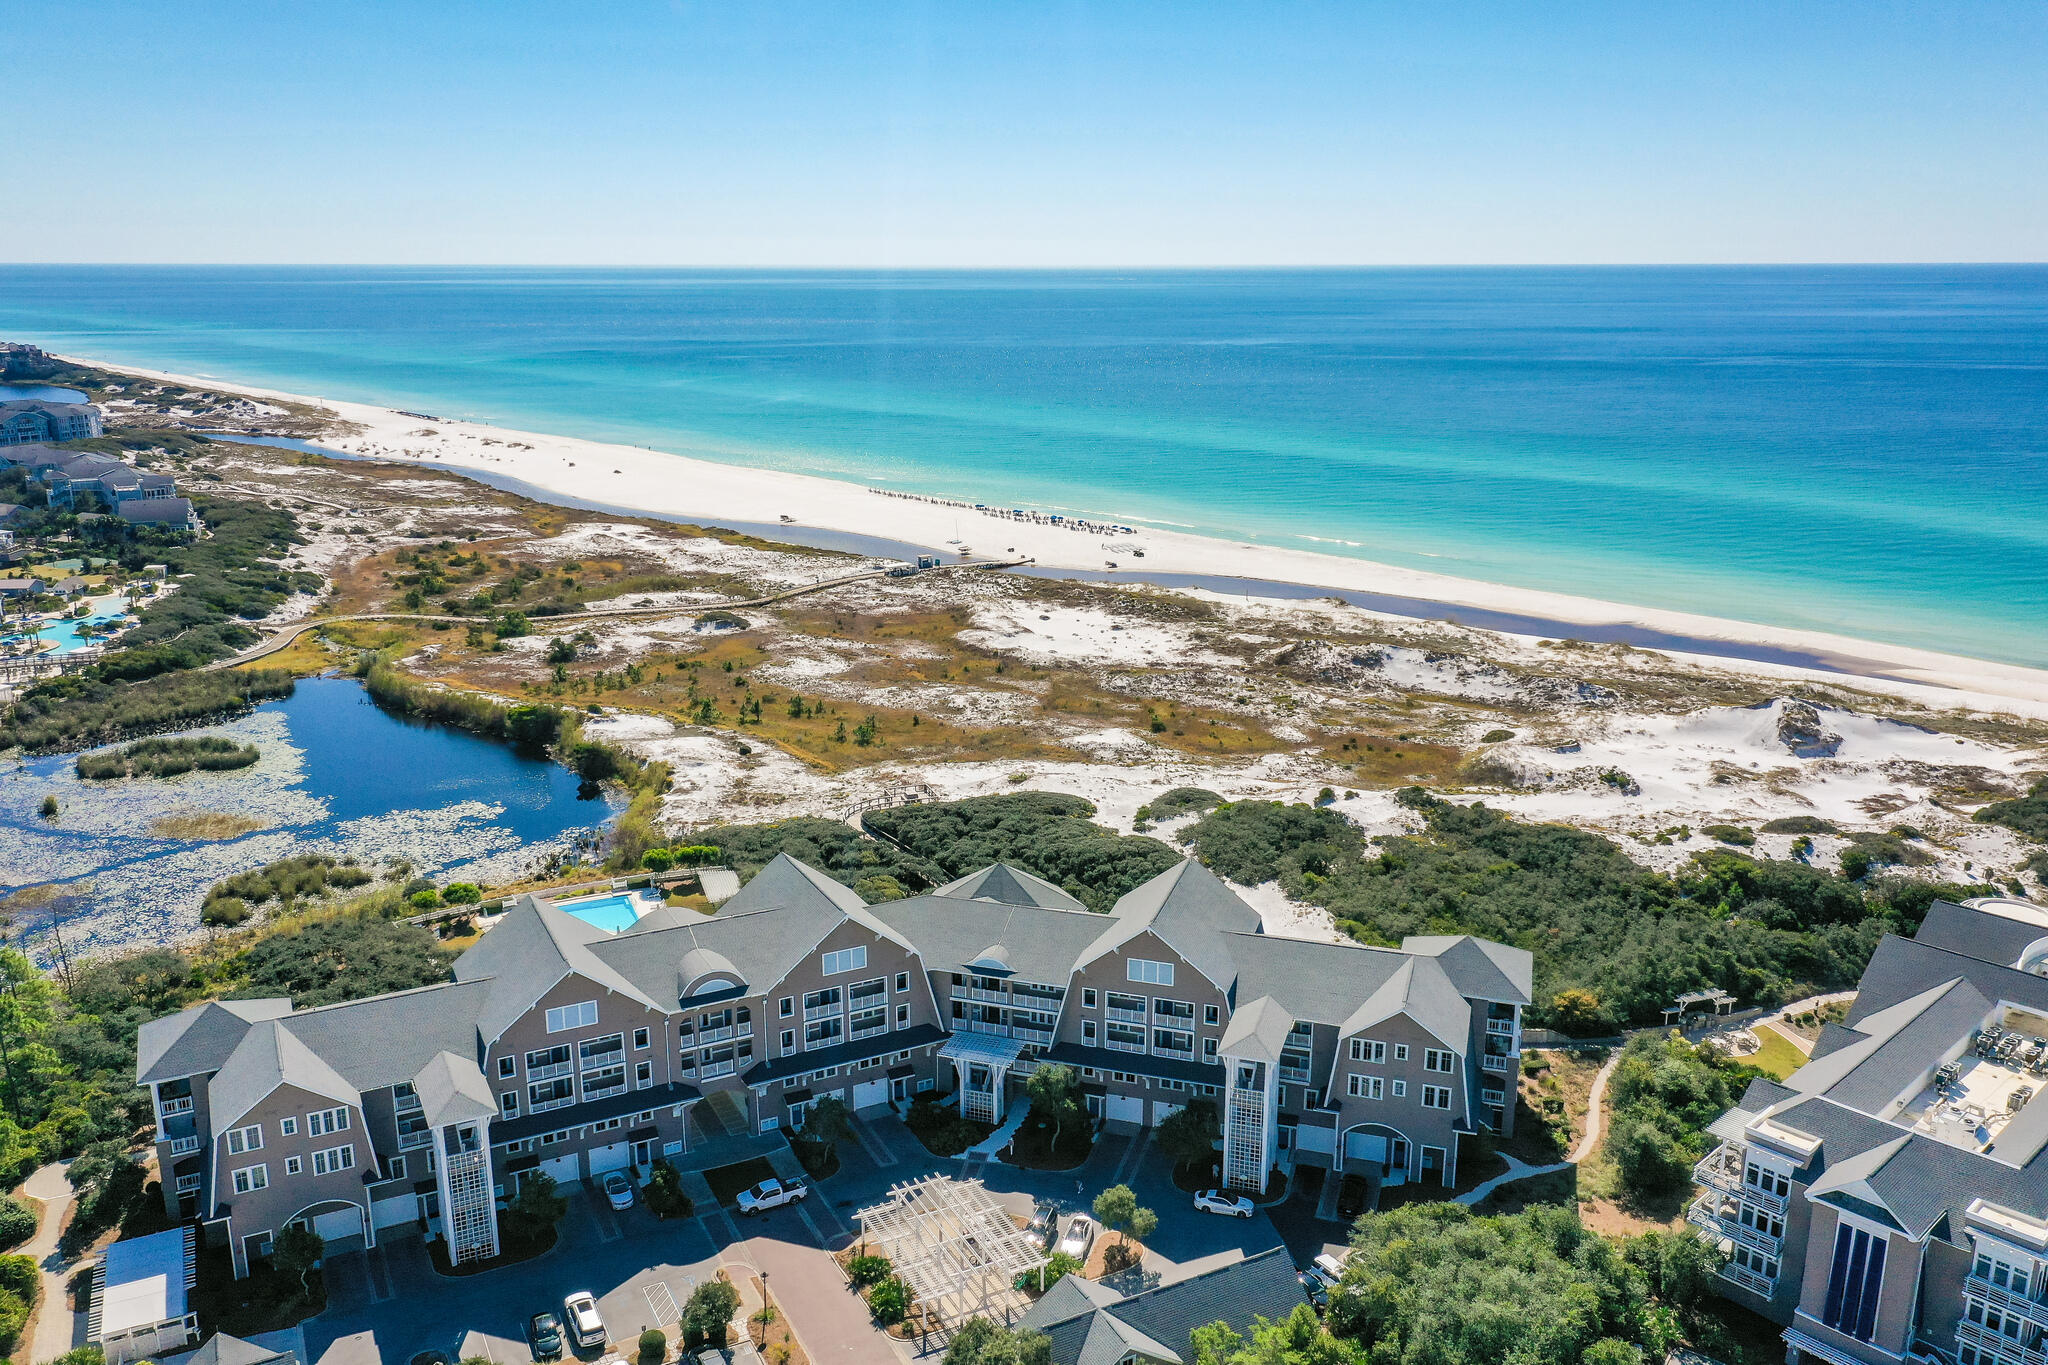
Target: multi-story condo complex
{"x": 28, "y": 420}
{"x": 1889, "y": 1200}
{"x": 562, "y": 1047}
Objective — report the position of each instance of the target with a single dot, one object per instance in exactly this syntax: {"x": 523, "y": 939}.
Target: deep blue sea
{"x": 1860, "y": 450}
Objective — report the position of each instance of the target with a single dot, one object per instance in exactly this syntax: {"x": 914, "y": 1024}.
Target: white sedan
{"x": 1229, "y": 1205}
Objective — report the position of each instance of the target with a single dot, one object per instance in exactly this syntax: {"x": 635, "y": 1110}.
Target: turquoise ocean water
{"x": 1859, "y": 450}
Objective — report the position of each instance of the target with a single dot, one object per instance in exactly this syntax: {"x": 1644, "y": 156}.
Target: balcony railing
{"x": 1503, "y": 1027}
{"x": 1490, "y": 1062}
{"x": 714, "y": 1035}
{"x": 1748, "y": 1279}
{"x": 815, "y": 1012}
{"x": 550, "y": 1071}
{"x": 1030, "y": 1028}
{"x": 598, "y": 1092}
{"x": 2031, "y": 1309}
{"x": 1050, "y": 995}
{"x": 1126, "y": 1016}
{"x": 1705, "y": 1212}
{"x": 181, "y": 1104}
{"x": 1114, "y": 1046}
{"x": 711, "y": 1071}
{"x": 2004, "y": 1347}
{"x": 1296, "y": 1075}
{"x": 1721, "y": 1169}
{"x": 870, "y": 1030}
{"x": 544, "y": 1106}
{"x": 1175, "y": 1054}
{"x": 423, "y": 1138}
{"x": 184, "y": 1145}
{"x": 987, "y": 997}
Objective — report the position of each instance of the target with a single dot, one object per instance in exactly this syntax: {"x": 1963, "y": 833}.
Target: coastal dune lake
{"x": 1860, "y": 450}
{"x": 338, "y": 775}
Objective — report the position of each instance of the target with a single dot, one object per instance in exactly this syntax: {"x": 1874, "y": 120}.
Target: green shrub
{"x": 1739, "y": 835}
{"x": 653, "y": 1344}
{"x": 664, "y": 1193}
{"x": 78, "y": 711}
{"x": 1799, "y": 824}
{"x": 17, "y": 1221}
{"x": 167, "y": 758}
{"x": 462, "y": 893}
{"x": 889, "y": 1300}
{"x": 2027, "y": 815}
{"x": 863, "y": 1271}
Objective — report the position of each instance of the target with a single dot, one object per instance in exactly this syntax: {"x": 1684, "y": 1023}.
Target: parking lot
{"x": 388, "y": 1303}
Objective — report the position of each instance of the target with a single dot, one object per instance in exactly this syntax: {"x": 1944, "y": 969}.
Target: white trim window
{"x": 562, "y": 1018}
{"x": 1436, "y": 1097}
{"x": 292, "y": 1165}
{"x": 1367, "y": 1050}
{"x": 1400, "y": 1090}
{"x": 321, "y": 1122}
{"x": 249, "y": 1139}
{"x": 1438, "y": 1059}
{"x": 328, "y": 1160}
{"x": 845, "y": 960}
{"x": 1366, "y": 1087}
{"x": 1400, "y": 1052}
{"x": 250, "y": 1178}
{"x": 288, "y": 1126}
{"x": 1148, "y": 972}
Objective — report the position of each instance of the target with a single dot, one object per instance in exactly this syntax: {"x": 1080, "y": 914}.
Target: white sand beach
{"x": 712, "y": 492}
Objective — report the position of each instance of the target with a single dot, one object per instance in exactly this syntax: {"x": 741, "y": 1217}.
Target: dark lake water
{"x": 338, "y": 775}
{"x": 39, "y": 393}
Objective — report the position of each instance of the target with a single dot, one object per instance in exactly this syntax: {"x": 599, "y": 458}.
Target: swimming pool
{"x": 613, "y": 914}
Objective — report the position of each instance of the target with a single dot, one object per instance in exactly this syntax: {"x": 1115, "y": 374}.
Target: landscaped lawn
{"x": 1777, "y": 1057}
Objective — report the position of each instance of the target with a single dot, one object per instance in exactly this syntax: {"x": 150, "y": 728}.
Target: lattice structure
{"x": 1244, "y": 1145}
{"x": 956, "y": 1246}
{"x": 468, "y": 1208}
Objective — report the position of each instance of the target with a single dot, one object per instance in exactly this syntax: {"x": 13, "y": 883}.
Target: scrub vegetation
{"x": 168, "y": 758}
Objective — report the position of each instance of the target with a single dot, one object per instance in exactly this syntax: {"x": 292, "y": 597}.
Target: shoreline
{"x": 635, "y": 480}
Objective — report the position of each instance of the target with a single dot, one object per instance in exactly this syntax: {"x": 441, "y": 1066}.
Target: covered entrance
{"x": 341, "y": 1226}
{"x": 1381, "y": 1147}
{"x": 981, "y": 1063}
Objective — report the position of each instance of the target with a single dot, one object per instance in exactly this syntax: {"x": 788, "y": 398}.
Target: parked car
{"x": 585, "y": 1326}
{"x": 1229, "y": 1205}
{"x": 544, "y": 1336}
{"x": 1079, "y": 1236}
{"x": 1330, "y": 1268}
{"x": 618, "y": 1190}
{"x": 771, "y": 1194}
{"x": 1351, "y": 1196}
{"x": 1045, "y": 1228}
{"x": 1312, "y": 1285}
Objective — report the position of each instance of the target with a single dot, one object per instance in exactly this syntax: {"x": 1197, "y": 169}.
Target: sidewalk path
{"x": 1596, "y": 1105}
{"x": 1517, "y": 1170}
{"x": 57, "y": 1329}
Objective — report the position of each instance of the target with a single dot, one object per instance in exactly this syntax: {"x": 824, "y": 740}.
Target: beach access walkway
{"x": 283, "y": 637}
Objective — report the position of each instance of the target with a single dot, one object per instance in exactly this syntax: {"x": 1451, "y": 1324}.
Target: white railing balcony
{"x": 1490, "y": 1062}
{"x": 1049, "y": 996}
{"x": 711, "y": 1071}
{"x": 1748, "y": 1279}
{"x": 870, "y": 1031}
{"x": 598, "y": 1092}
{"x": 408, "y": 1105}
{"x": 1030, "y": 1028}
{"x": 594, "y": 1061}
{"x": 1174, "y": 1054}
{"x": 816, "y": 1012}
{"x": 550, "y": 1071}
{"x": 1721, "y": 1169}
{"x": 545, "y": 1106}
{"x": 1504, "y": 1028}
{"x": 981, "y": 1026}
{"x": 987, "y": 997}
{"x": 423, "y": 1138}
{"x": 1114, "y": 1046}
{"x": 1706, "y": 1214}
{"x": 2031, "y": 1309}
{"x": 1998, "y": 1345}
{"x": 181, "y": 1104}
{"x": 714, "y": 1035}
{"x": 1126, "y": 1016}
{"x": 183, "y": 1146}
{"x": 1295, "y": 1075}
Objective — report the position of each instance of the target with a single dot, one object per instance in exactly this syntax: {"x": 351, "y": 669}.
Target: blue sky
{"x": 1032, "y": 134}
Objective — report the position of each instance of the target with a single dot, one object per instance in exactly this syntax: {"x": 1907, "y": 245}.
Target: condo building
{"x": 1889, "y": 1200}
{"x": 574, "y": 1049}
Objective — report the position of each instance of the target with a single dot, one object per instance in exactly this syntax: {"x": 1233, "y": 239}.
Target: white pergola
{"x": 956, "y": 1246}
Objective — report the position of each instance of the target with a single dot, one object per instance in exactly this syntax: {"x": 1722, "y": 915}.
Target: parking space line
{"x": 1132, "y": 1156}
{"x": 732, "y": 1234}
{"x": 880, "y": 1152}
{"x": 804, "y": 1216}
{"x": 381, "y": 1290}
{"x": 661, "y": 1301}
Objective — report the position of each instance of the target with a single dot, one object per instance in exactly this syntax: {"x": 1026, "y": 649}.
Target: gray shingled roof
{"x": 1479, "y": 967}
{"x": 1190, "y": 909}
{"x": 533, "y": 947}
{"x": 1258, "y": 1030}
{"x": 1087, "y": 1333}
{"x": 1011, "y": 886}
{"x": 1983, "y": 935}
{"x": 1320, "y": 982}
{"x": 1042, "y": 944}
{"x": 452, "y": 1089}
{"x": 387, "y": 1038}
{"x": 1420, "y": 990}
{"x": 1904, "y": 967}
{"x": 269, "y": 1056}
{"x": 222, "y": 1349}
{"x": 199, "y": 1039}
{"x": 156, "y": 509}
{"x": 1898, "y": 1047}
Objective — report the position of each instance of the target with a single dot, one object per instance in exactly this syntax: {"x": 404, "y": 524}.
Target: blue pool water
{"x": 1856, "y": 449}
{"x": 609, "y": 913}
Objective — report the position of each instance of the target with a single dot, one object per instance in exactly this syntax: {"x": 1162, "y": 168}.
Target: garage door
{"x": 616, "y": 1157}
{"x": 562, "y": 1168}
{"x": 341, "y": 1230}
{"x": 1162, "y": 1111}
{"x": 869, "y": 1094}
{"x": 1365, "y": 1147}
{"x": 1124, "y": 1108}
{"x": 387, "y": 1213}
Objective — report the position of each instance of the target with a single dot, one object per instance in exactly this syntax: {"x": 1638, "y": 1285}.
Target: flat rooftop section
{"x": 1971, "y": 1110}
{"x": 2026, "y": 912}
{"x": 144, "y": 1281}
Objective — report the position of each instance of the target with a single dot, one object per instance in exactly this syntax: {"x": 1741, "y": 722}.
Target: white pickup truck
{"x": 771, "y": 1194}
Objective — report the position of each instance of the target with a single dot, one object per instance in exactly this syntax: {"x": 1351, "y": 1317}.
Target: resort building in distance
{"x": 576, "y": 1044}
{"x": 1889, "y": 1200}
{"x": 25, "y": 421}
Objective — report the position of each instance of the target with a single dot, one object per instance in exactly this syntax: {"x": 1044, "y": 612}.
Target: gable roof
{"x": 222, "y": 1349}
{"x": 1258, "y": 1030}
{"x": 1983, "y": 934}
{"x": 1011, "y": 886}
{"x": 534, "y": 947}
{"x": 451, "y": 1089}
{"x": 1189, "y": 909}
{"x": 269, "y": 1056}
{"x": 198, "y": 1039}
{"x": 1419, "y": 989}
{"x": 1895, "y": 1047}
{"x": 385, "y": 1039}
{"x": 1479, "y": 967}
{"x": 1040, "y": 944}
{"x": 1158, "y": 1322}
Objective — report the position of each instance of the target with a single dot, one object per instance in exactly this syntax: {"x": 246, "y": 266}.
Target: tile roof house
{"x": 1889, "y": 1199}
{"x": 566, "y": 1048}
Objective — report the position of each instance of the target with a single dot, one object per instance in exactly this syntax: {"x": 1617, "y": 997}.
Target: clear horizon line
{"x": 1023, "y": 269}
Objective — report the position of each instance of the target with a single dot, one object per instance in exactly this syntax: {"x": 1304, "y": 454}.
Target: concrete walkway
{"x": 1596, "y": 1111}
{"x": 58, "y": 1329}
{"x": 1517, "y": 1170}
